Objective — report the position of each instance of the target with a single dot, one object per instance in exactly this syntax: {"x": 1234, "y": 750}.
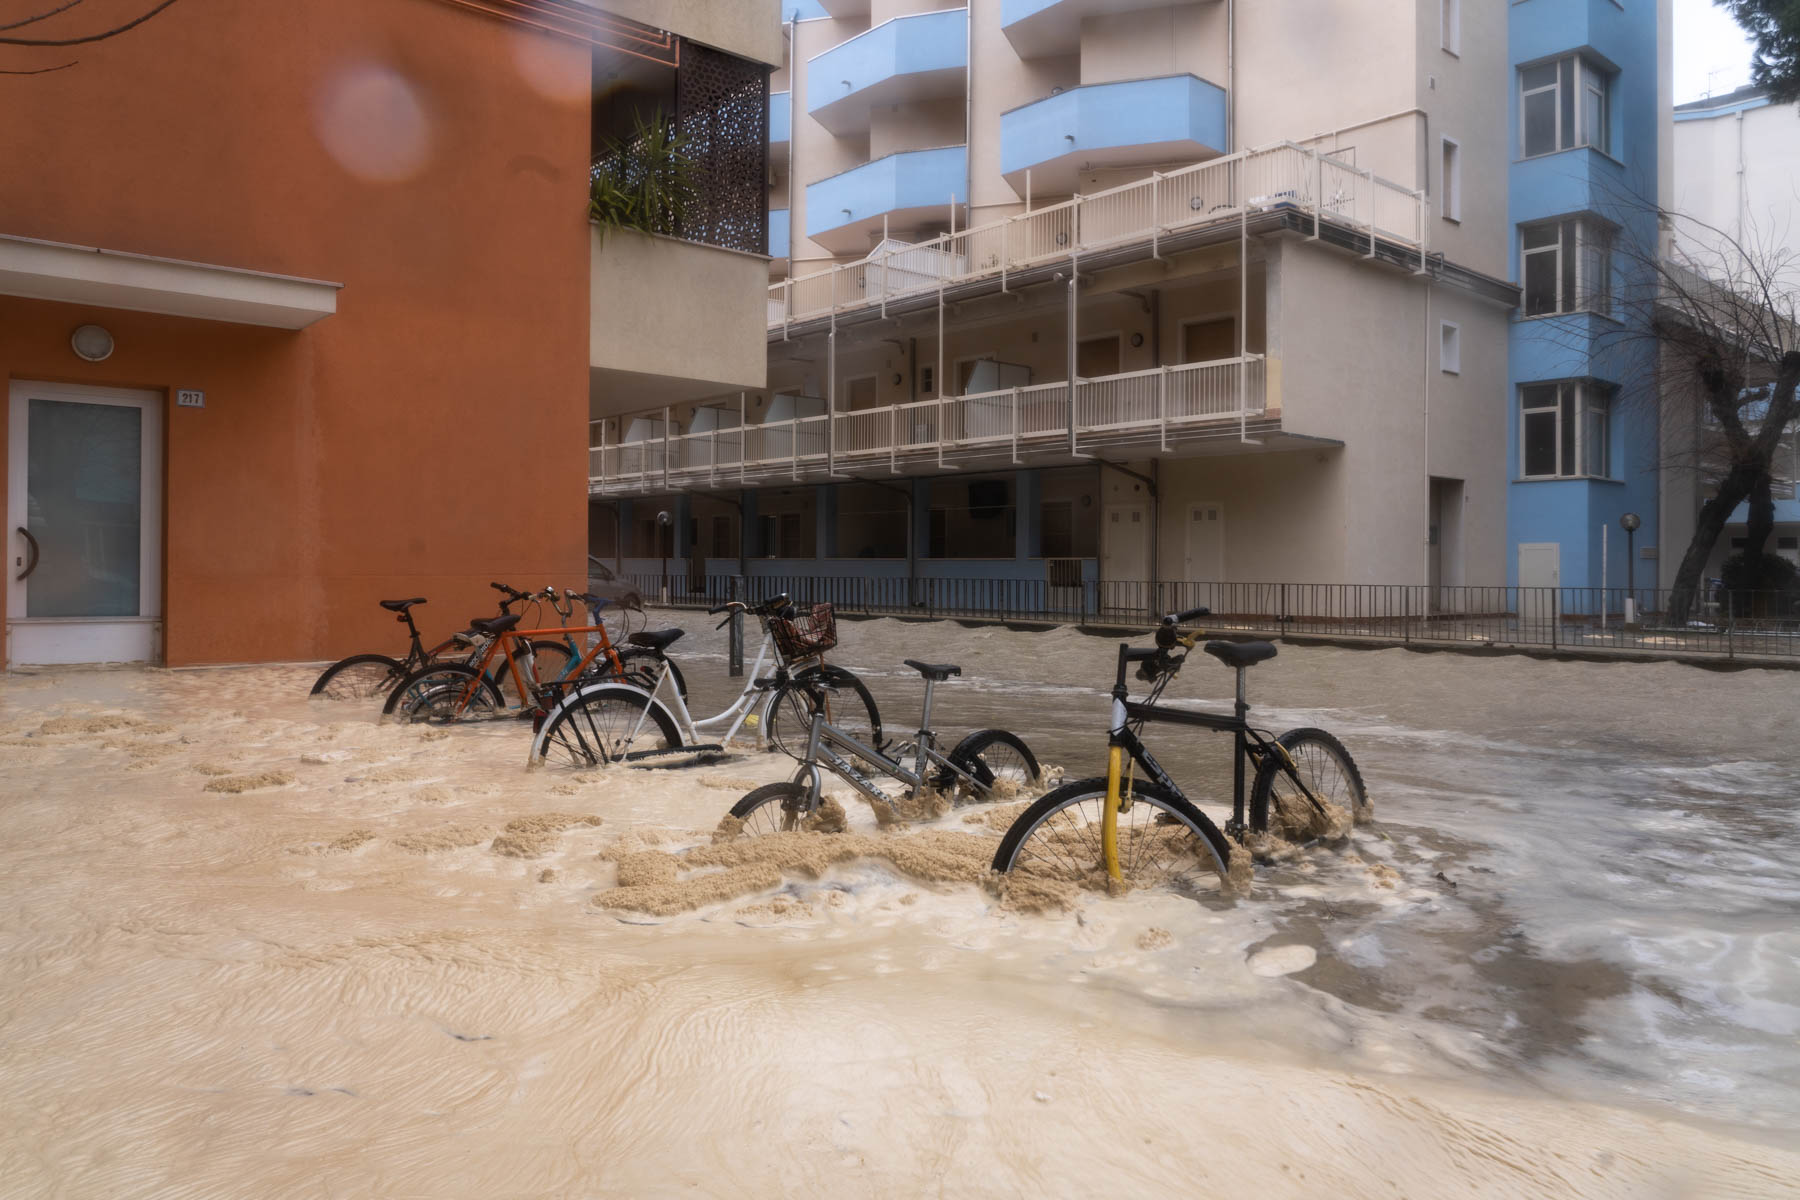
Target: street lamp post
{"x": 1629, "y": 523}
{"x": 663, "y": 521}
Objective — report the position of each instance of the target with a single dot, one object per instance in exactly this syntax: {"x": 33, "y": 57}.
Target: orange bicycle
{"x": 503, "y": 654}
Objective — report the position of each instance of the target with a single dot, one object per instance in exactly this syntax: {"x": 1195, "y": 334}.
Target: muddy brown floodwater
{"x": 252, "y": 945}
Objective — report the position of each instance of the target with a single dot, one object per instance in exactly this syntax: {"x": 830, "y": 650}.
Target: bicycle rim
{"x": 1159, "y": 845}
{"x": 596, "y": 730}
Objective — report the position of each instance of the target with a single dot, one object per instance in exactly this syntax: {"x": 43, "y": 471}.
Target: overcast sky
{"x": 1712, "y": 54}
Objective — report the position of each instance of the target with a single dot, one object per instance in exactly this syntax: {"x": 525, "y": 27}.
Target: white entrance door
{"x": 1206, "y": 543}
{"x": 84, "y": 524}
{"x": 1540, "y": 574}
{"x": 1125, "y": 558}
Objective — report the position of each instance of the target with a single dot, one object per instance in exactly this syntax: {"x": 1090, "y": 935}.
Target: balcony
{"x": 902, "y": 61}
{"x": 778, "y": 233}
{"x": 1206, "y": 200}
{"x": 1041, "y": 28}
{"x": 845, "y": 212}
{"x": 779, "y": 119}
{"x": 1174, "y": 118}
{"x": 1148, "y": 410}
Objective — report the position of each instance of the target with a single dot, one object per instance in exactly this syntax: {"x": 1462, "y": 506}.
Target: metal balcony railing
{"x": 1141, "y": 406}
{"x": 1232, "y": 188}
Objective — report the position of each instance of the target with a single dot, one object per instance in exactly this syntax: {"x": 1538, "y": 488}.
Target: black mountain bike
{"x": 1145, "y": 831}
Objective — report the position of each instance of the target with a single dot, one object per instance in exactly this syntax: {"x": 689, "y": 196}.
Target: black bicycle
{"x": 1144, "y": 831}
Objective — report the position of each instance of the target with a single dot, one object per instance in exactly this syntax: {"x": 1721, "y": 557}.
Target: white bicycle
{"x": 596, "y": 722}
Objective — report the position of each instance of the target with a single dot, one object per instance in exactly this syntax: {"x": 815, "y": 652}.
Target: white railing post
{"x": 942, "y": 424}
{"x": 1015, "y": 426}
{"x": 894, "y": 440}
{"x": 743, "y": 438}
{"x": 667, "y": 423}
{"x": 1371, "y": 178}
{"x": 1155, "y": 215}
{"x": 1162, "y": 404}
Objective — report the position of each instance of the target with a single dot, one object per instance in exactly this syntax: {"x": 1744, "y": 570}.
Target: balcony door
{"x": 84, "y": 524}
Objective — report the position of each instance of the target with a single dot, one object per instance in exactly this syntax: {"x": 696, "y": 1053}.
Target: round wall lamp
{"x": 1137, "y": 339}
{"x": 92, "y": 343}
{"x": 897, "y": 378}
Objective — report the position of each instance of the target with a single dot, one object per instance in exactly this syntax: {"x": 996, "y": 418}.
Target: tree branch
{"x": 43, "y": 16}
{"x": 92, "y": 37}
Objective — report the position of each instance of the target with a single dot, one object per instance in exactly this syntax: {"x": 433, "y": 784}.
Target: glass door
{"x": 84, "y": 578}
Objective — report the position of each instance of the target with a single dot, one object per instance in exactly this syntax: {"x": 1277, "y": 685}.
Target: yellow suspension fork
{"x": 1109, "y": 818}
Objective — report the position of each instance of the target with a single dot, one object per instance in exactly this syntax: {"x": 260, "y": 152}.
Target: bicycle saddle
{"x": 494, "y": 626}
{"x": 656, "y": 639}
{"x": 1241, "y": 654}
{"x": 936, "y": 672}
{"x": 401, "y": 605}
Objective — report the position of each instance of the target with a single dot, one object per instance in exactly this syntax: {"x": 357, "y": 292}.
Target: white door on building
{"x": 1206, "y": 543}
{"x": 84, "y": 524}
{"x": 1125, "y": 557}
{"x": 1540, "y": 574}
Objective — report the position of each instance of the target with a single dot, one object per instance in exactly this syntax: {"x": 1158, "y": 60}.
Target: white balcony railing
{"x": 1160, "y": 404}
{"x": 1231, "y": 188}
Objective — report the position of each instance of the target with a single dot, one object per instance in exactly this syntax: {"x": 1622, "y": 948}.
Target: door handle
{"x": 32, "y": 565}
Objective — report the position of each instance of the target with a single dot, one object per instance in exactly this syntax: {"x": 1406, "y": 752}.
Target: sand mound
{"x": 1155, "y": 938}
{"x": 1384, "y": 875}
{"x": 341, "y": 844}
{"x": 211, "y": 768}
{"x": 640, "y": 839}
{"x": 547, "y": 875}
{"x": 99, "y": 724}
{"x": 436, "y": 841}
{"x": 234, "y": 784}
{"x": 535, "y": 836}
{"x": 432, "y": 795}
{"x": 998, "y": 819}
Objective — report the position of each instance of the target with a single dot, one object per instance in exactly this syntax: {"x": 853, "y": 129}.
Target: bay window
{"x": 1565, "y": 103}
{"x": 1567, "y": 266}
{"x": 1565, "y": 430}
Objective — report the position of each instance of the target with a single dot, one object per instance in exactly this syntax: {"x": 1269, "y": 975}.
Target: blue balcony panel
{"x": 921, "y": 57}
{"x": 1138, "y": 122}
{"x": 1042, "y": 28}
{"x": 779, "y": 120}
{"x": 844, "y": 213}
{"x": 778, "y": 233}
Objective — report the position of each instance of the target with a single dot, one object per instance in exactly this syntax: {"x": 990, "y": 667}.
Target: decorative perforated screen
{"x": 722, "y": 107}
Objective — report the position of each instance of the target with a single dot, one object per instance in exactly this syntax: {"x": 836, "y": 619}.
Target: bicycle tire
{"x": 359, "y": 677}
{"x": 788, "y": 718}
{"x": 772, "y": 808}
{"x": 1328, "y": 772}
{"x": 1013, "y": 765}
{"x": 412, "y": 689}
{"x": 1153, "y": 850}
{"x": 550, "y": 662}
{"x": 590, "y": 727}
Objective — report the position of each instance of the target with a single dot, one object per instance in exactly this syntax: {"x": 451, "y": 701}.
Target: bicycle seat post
{"x": 1243, "y": 705}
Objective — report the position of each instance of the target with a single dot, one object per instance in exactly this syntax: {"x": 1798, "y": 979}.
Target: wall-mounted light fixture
{"x": 92, "y": 343}
{"x": 1137, "y": 339}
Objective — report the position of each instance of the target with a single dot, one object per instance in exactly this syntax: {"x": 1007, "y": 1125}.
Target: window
{"x": 1452, "y": 180}
{"x": 1567, "y": 266}
{"x": 1565, "y": 430}
{"x": 1450, "y": 25}
{"x": 1450, "y": 348}
{"x": 1563, "y": 104}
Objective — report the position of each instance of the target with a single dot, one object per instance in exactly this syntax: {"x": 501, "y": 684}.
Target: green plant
{"x": 647, "y": 181}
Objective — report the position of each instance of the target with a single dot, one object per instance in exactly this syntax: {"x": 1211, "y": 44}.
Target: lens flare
{"x": 373, "y": 123}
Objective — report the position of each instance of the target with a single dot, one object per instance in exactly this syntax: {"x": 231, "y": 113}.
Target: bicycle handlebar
{"x": 1182, "y": 618}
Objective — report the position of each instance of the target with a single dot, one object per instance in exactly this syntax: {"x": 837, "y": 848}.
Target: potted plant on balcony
{"x": 646, "y": 182}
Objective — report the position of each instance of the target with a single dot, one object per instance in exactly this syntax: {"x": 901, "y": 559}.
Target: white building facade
{"x": 1110, "y": 294}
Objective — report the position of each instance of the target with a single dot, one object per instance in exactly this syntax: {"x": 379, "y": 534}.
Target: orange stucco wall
{"x": 428, "y": 437}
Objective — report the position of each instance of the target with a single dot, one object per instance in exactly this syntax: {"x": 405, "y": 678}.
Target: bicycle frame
{"x": 737, "y": 712}
{"x": 824, "y": 738}
{"x": 527, "y": 690}
{"x": 1248, "y": 745}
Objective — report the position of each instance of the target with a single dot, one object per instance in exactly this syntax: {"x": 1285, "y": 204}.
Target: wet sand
{"x": 381, "y": 960}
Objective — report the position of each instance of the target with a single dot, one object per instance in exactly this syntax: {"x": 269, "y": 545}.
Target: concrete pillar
{"x": 825, "y": 518}
{"x": 1028, "y": 491}
{"x": 751, "y": 530}
{"x": 683, "y": 512}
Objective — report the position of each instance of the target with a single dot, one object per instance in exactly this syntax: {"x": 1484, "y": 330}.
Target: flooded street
{"x": 254, "y": 945}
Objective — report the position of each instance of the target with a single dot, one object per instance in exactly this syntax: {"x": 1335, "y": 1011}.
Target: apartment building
{"x": 300, "y": 306}
{"x": 1737, "y": 180}
{"x": 1104, "y": 292}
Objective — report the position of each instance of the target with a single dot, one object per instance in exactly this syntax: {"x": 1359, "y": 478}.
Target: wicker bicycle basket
{"x": 805, "y": 637}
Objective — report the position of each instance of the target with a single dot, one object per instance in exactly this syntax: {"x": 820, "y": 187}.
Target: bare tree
{"x": 80, "y": 39}
{"x": 1722, "y": 314}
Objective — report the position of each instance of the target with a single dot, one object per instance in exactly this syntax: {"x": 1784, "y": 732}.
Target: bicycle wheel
{"x": 603, "y": 723}
{"x": 999, "y": 760}
{"x": 772, "y": 808}
{"x": 444, "y": 692}
{"x": 359, "y": 677}
{"x": 1278, "y": 806}
{"x": 1163, "y": 840}
{"x": 642, "y": 667}
{"x": 848, "y": 706}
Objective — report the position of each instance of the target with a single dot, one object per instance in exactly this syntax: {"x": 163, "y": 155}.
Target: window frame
{"x": 1583, "y": 77}
{"x": 1450, "y": 26}
{"x": 1450, "y": 166}
{"x": 1572, "y": 404}
{"x": 1450, "y": 347}
{"x": 1581, "y": 270}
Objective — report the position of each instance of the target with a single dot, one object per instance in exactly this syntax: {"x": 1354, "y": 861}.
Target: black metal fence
{"x": 1728, "y": 625}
